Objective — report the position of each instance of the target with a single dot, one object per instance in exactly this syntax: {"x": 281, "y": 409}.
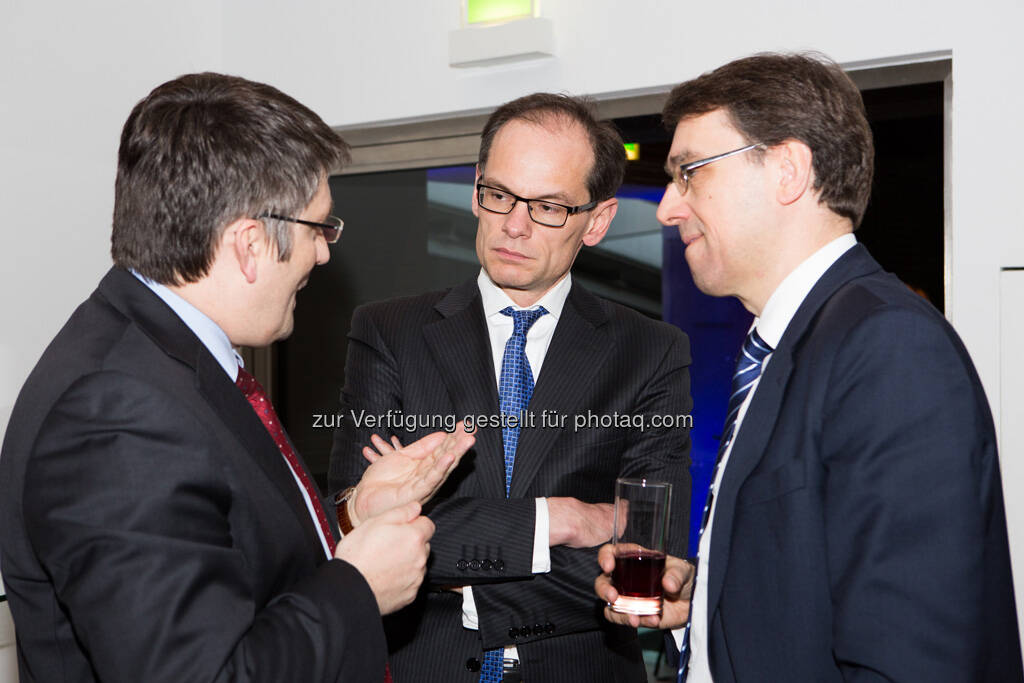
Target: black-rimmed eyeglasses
{"x": 331, "y": 227}
{"x": 684, "y": 172}
{"x": 550, "y": 214}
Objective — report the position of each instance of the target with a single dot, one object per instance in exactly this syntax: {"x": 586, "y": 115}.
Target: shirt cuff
{"x": 469, "y": 617}
{"x": 541, "y": 550}
{"x": 677, "y": 635}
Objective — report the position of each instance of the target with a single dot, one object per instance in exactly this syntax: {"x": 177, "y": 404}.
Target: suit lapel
{"x": 747, "y": 451}
{"x": 461, "y": 347}
{"x": 762, "y": 414}
{"x": 166, "y": 329}
{"x": 225, "y": 399}
{"x": 576, "y": 353}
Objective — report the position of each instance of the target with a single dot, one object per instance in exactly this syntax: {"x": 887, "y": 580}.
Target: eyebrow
{"x": 559, "y": 197}
{"x": 675, "y": 161}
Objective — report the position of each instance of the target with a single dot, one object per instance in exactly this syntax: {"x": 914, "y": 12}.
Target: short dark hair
{"x": 202, "y": 151}
{"x": 807, "y": 97}
{"x": 541, "y": 109}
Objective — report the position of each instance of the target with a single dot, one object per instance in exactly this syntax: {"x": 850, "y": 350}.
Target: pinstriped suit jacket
{"x": 150, "y": 529}
{"x": 430, "y": 355}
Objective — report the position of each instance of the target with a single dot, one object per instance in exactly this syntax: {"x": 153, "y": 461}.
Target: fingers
{"x": 395, "y": 442}
{"x": 604, "y": 589}
{"x": 371, "y": 455}
{"x": 620, "y": 618}
{"x": 456, "y": 445}
{"x": 677, "y": 577}
{"x": 445, "y": 458}
{"x": 382, "y": 446}
{"x": 425, "y": 527}
{"x": 424, "y": 446}
{"x": 606, "y": 558}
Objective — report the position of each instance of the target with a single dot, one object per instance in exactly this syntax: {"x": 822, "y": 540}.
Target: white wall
{"x": 70, "y": 72}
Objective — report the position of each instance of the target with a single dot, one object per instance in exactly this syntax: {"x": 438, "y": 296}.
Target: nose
{"x": 323, "y": 251}
{"x": 673, "y": 208}
{"x": 518, "y": 222}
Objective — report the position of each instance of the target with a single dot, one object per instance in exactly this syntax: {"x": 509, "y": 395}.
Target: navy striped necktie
{"x": 515, "y": 388}
{"x": 748, "y": 369}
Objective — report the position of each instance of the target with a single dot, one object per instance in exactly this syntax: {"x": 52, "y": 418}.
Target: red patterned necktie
{"x": 257, "y": 397}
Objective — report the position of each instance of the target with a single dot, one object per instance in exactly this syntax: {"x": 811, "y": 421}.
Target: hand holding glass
{"x": 641, "y": 529}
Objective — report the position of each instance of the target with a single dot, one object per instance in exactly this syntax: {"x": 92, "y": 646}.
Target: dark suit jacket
{"x": 151, "y": 530}
{"x": 430, "y": 355}
{"x": 860, "y": 532}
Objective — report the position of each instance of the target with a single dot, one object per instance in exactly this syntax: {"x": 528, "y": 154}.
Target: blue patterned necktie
{"x": 748, "y": 369}
{"x": 514, "y": 391}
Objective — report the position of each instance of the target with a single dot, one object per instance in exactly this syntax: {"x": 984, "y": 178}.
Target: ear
{"x": 600, "y": 221}
{"x": 794, "y": 160}
{"x": 475, "y": 205}
{"x": 243, "y": 241}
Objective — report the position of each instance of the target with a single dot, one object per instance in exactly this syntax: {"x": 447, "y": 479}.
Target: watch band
{"x": 341, "y": 506}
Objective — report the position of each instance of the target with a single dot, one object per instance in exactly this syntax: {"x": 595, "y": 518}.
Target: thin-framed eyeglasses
{"x": 549, "y": 214}
{"x": 684, "y": 172}
{"x": 331, "y": 227}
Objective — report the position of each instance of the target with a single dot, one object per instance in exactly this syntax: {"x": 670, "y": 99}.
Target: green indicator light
{"x": 480, "y": 11}
{"x": 632, "y": 151}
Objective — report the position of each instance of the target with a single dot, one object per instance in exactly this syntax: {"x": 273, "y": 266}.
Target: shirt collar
{"x": 494, "y": 299}
{"x": 787, "y": 297}
{"x": 209, "y": 332}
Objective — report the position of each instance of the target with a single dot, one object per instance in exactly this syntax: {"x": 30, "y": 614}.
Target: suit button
{"x": 473, "y": 664}
{"x": 486, "y": 565}
{"x": 525, "y": 631}
{"x": 549, "y": 627}
{"x": 513, "y": 633}
{"x": 462, "y": 565}
{"x": 538, "y": 630}
{"x": 499, "y": 565}
{"x": 474, "y": 564}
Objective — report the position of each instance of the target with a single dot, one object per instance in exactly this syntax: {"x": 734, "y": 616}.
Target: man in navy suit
{"x": 855, "y": 529}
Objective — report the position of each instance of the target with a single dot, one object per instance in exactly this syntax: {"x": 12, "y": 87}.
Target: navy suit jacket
{"x": 860, "y": 532}
{"x": 150, "y": 529}
{"x": 431, "y": 355}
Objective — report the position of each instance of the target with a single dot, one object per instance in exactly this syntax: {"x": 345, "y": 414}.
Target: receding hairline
{"x": 551, "y": 120}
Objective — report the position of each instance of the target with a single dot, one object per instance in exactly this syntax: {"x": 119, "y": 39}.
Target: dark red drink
{"x": 638, "y": 574}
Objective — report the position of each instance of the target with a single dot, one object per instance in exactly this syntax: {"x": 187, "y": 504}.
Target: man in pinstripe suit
{"x": 512, "y": 558}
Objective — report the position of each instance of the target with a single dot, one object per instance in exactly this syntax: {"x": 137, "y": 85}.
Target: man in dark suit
{"x": 516, "y": 523}
{"x": 856, "y": 525}
{"x": 155, "y": 522}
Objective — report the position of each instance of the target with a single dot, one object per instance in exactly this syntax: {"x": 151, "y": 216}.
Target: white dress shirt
{"x": 777, "y": 313}
{"x": 538, "y": 338}
{"x": 217, "y": 343}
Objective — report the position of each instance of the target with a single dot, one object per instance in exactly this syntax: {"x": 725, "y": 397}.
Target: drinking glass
{"x": 641, "y": 529}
